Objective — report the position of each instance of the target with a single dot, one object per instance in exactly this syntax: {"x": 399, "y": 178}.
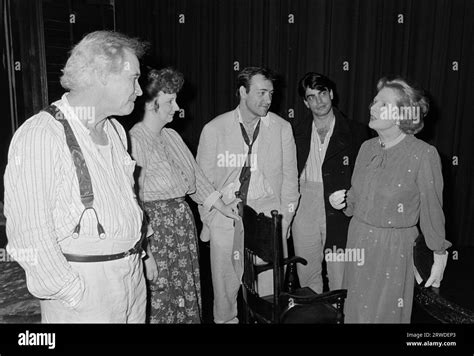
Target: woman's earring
{"x": 149, "y": 107}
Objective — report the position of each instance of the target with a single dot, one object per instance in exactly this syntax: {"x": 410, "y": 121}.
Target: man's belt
{"x": 102, "y": 258}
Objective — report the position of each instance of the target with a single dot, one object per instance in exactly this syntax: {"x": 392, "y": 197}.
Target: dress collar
{"x": 393, "y": 142}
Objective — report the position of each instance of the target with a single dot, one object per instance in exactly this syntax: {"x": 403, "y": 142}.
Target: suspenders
{"x": 86, "y": 191}
{"x": 82, "y": 172}
{"x": 85, "y": 182}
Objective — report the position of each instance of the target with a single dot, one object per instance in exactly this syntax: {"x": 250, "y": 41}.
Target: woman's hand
{"x": 338, "y": 199}
{"x": 151, "y": 269}
{"x": 230, "y": 210}
{"x": 437, "y": 270}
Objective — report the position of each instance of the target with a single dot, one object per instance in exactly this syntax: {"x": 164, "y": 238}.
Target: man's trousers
{"x": 115, "y": 292}
{"x": 309, "y": 238}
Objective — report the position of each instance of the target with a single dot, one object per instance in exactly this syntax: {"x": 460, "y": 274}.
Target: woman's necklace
{"x": 392, "y": 142}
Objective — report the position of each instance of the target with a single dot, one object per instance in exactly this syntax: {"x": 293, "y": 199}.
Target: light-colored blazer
{"x": 276, "y": 160}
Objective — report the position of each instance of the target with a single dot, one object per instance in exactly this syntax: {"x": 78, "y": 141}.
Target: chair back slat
{"x": 258, "y": 232}
{"x": 262, "y": 242}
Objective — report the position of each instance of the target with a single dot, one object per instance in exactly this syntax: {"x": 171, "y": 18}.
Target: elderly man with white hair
{"x": 69, "y": 190}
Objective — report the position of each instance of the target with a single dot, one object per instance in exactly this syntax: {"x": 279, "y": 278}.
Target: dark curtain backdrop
{"x": 354, "y": 42}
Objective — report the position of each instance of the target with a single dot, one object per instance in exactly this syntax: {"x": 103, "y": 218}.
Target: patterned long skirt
{"x": 176, "y": 297}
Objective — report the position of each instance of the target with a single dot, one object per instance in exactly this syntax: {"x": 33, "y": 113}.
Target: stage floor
{"x": 17, "y": 305}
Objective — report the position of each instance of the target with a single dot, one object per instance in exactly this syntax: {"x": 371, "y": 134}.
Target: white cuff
{"x": 211, "y": 199}
{"x": 441, "y": 260}
{"x": 149, "y": 230}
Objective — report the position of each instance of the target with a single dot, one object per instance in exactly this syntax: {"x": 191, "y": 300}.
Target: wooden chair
{"x": 263, "y": 252}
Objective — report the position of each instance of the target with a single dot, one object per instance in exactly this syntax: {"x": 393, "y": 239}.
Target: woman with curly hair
{"x": 168, "y": 172}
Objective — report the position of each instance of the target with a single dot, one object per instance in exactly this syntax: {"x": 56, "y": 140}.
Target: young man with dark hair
{"x": 327, "y": 144}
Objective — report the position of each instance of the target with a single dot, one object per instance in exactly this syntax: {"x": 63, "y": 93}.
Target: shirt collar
{"x": 70, "y": 112}
{"x": 331, "y": 126}
{"x": 265, "y": 119}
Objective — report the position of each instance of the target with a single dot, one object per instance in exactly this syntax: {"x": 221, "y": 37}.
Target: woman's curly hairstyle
{"x": 409, "y": 98}
{"x": 168, "y": 80}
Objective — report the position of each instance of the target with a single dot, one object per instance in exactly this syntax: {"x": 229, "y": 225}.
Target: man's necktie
{"x": 246, "y": 169}
{"x": 238, "y": 243}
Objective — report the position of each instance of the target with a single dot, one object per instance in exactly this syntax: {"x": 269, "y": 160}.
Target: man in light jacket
{"x": 270, "y": 179}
